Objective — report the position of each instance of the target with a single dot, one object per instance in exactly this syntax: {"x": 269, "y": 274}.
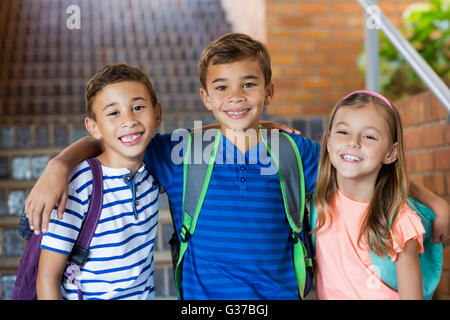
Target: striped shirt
{"x": 120, "y": 263}
{"x": 241, "y": 247}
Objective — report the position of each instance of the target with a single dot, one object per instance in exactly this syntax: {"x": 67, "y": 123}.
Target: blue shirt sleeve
{"x": 164, "y": 153}
{"x": 309, "y": 152}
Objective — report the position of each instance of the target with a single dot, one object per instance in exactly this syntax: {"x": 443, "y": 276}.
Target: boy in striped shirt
{"x": 122, "y": 113}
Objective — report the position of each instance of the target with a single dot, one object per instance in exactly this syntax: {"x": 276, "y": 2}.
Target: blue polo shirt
{"x": 241, "y": 247}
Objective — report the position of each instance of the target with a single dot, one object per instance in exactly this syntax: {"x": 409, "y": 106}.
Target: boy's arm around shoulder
{"x": 51, "y": 187}
{"x": 441, "y": 224}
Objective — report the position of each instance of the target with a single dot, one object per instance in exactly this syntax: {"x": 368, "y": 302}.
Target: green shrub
{"x": 427, "y": 28}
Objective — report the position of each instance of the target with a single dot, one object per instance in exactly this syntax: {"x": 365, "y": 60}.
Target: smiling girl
{"x": 362, "y": 186}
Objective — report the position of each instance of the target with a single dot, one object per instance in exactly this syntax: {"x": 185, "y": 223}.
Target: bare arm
{"x": 409, "y": 277}
{"x": 51, "y": 187}
{"x": 51, "y": 268}
{"x": 441, "y": 225}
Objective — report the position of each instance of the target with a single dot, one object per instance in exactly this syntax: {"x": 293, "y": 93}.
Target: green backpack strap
{"x": 292, "y": 184}
{"x": 197, "y": 174}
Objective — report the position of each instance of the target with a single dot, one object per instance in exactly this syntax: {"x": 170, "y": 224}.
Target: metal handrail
{"x": 420, "y": 66}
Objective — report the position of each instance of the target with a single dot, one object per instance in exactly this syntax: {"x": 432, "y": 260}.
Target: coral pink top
{"x": 344, "y": 268}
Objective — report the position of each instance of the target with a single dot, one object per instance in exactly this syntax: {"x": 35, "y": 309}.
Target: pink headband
{"x": 372, "y": 93}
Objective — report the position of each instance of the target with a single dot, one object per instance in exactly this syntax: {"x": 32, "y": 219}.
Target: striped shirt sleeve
{"x": 62, "y": 234}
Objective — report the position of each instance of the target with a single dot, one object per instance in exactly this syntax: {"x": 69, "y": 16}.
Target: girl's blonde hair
{"x": 391, "y": 187}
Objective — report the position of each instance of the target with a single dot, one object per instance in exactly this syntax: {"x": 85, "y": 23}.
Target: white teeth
{"x": 129, "y": 138}
{"x": 350, "y": 157}
{"x": 237, "y": 113}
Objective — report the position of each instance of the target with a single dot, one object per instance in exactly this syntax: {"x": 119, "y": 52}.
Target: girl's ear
{"x": 92, "y": 127}
{"x": 392, "y": 155}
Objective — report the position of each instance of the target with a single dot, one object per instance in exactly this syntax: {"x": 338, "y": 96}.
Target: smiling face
{"x": 125, "y": 120}
{"x": 359, "y": 144}
{"x": 236, "y": 94}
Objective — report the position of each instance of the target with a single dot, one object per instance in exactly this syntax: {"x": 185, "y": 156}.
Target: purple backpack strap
{"x": 80, "y": 251}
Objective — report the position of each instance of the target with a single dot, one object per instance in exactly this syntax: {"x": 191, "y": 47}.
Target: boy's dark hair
{"x": 233, "y": 47}
{"x": 115, "y": 73}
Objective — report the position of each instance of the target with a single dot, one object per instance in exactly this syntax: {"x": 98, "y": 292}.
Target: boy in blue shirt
{"x": 241, "y": 248}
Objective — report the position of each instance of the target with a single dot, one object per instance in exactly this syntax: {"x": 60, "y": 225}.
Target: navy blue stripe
{"x": 130, "y": 213}
{"x": 73, "y": 213}
{"x": 76, "y": 175}
{"x": 57, "y": 236}
{"x": 101, "y": 234}
{"x": 77, "y": 200}
{"x": 83, "y": 186}
{"x": 111, "y": 270}
{"x": 136, "y": 249}
{"x": 55, "y": 250}
{"x": 120, "y": 280}
{"x": 124, "y": 187}
{"x": 67, "y": 225}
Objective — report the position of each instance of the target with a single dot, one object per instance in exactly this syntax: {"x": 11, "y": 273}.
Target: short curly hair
{"x": 115, "y": 73}
{"x": 233, "y": 47}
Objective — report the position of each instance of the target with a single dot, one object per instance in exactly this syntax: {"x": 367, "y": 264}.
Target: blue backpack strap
{"x": 313, "y": 219}
{"x": 431, "y": 259}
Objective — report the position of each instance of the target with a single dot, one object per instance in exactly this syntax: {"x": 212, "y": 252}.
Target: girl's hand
{"x": 49, "y": 190}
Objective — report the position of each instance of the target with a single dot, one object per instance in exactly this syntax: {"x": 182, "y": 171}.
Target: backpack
{"x": 431, "y": 259}
{"x": 25, "y": 285}
{"x": 196, "y": 179}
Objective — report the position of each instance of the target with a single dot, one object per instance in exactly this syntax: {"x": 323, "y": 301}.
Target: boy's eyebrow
{"x": 249, "y": 77}
{"x": 112, "y": 104}
{"x": 218, "y": 80}
{"x": 243, "y": 78}
{"x": 138, "y": 98}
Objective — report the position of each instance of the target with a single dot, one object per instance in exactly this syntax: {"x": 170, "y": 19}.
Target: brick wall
{"x": 315, "y": 45}
{"x": 427, "y": 144}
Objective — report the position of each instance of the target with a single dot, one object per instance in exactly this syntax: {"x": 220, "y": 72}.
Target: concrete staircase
{"x": 44, "y": 67}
